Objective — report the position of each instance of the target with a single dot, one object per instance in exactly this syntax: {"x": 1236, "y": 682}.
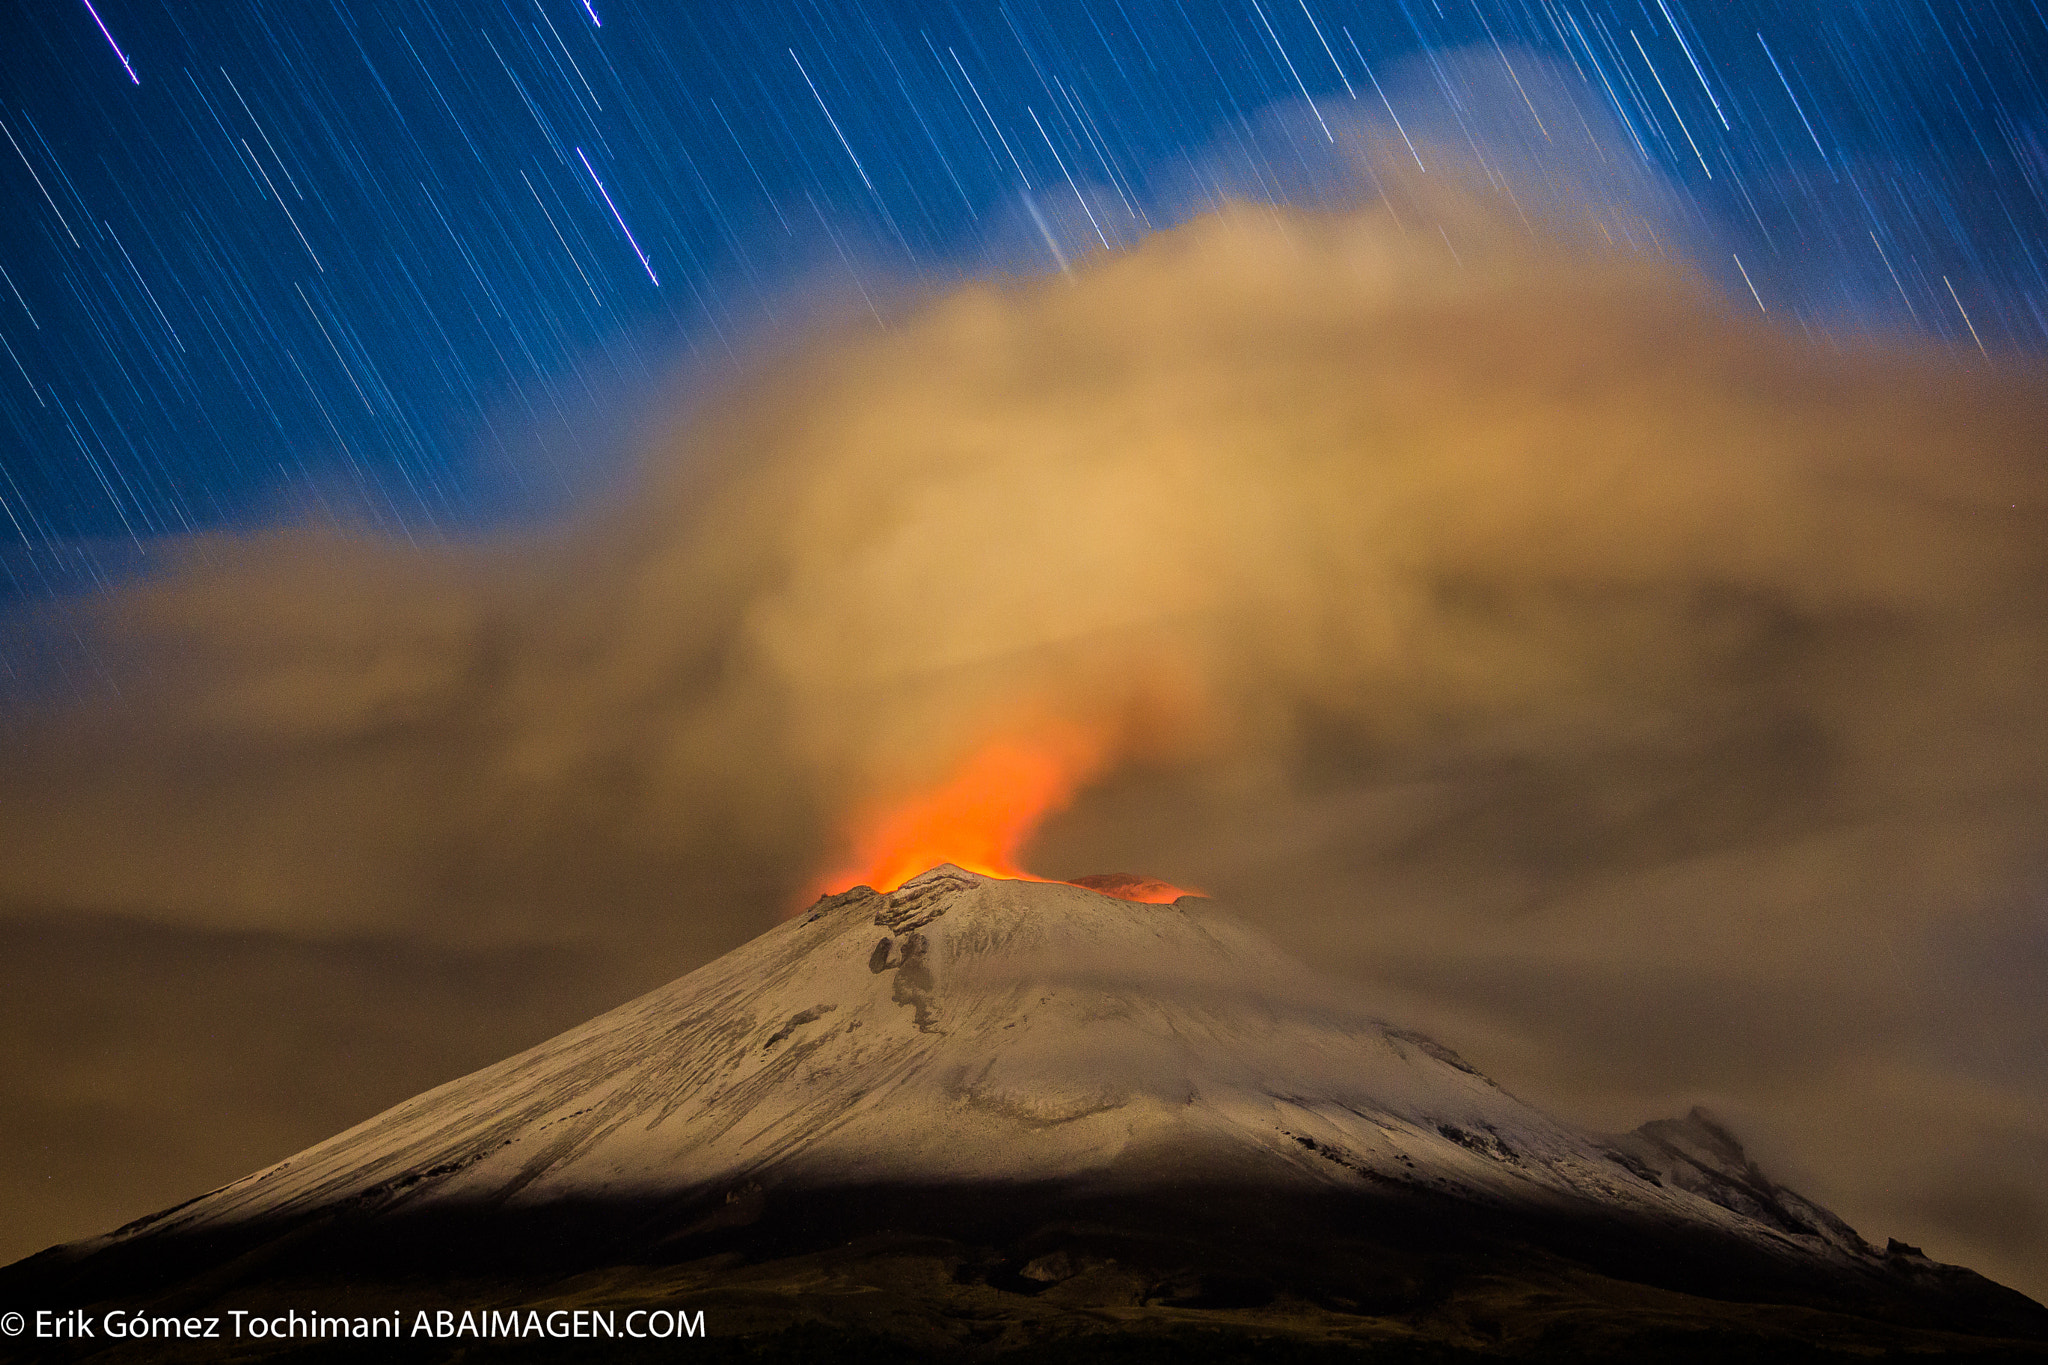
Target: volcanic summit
{"x": 988, "y": 1114}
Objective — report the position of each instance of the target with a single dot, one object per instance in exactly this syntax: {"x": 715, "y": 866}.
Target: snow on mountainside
{"x": 1697, "y": 1154}
{"x": 968, "y": 1029}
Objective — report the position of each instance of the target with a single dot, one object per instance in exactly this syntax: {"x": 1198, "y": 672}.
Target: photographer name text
{"x": 120, "y": 1324}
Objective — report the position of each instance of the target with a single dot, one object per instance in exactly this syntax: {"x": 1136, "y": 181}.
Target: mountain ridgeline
{"x": 1024, "y": 1120}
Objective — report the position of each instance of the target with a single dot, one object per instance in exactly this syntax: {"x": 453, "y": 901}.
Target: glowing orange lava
{"x": 980, "y": 817}
{"x": 984, "y": 812}
{"x": 1126, "y": 887}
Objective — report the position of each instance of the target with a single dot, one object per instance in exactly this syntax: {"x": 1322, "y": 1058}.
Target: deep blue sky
{"x": 372, "y": 250}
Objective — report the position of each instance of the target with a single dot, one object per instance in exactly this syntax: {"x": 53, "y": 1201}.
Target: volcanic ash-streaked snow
{"x": 970, "y": 1029}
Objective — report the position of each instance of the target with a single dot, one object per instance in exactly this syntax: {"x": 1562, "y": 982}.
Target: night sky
{"x": 395, "y": 262}
{"x": 1631, "y": 660}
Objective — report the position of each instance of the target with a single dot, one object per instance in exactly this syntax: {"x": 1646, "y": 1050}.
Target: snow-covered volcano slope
{"x": 967, "y": 1030}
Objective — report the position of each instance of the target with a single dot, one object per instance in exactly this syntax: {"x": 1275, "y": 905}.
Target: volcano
{"x": 990, "y": 1117}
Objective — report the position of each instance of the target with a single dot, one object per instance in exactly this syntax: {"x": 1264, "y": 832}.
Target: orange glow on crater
{"x": 981, "y": 816}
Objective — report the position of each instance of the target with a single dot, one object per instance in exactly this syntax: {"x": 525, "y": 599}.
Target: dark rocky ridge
{"x": 955, "y": 1272}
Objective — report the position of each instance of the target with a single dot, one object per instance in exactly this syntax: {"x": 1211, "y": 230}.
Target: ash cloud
{"x": 1643, "y": 697}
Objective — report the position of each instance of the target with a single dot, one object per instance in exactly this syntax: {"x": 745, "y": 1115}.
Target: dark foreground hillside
{"x": 1022, "y": 1275}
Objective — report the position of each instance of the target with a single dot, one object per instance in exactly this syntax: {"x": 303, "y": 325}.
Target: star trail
{"x": 387, "y": 259}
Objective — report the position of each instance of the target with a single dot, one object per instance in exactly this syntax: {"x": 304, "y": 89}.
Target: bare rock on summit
{"x": 1130, "y": 887}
